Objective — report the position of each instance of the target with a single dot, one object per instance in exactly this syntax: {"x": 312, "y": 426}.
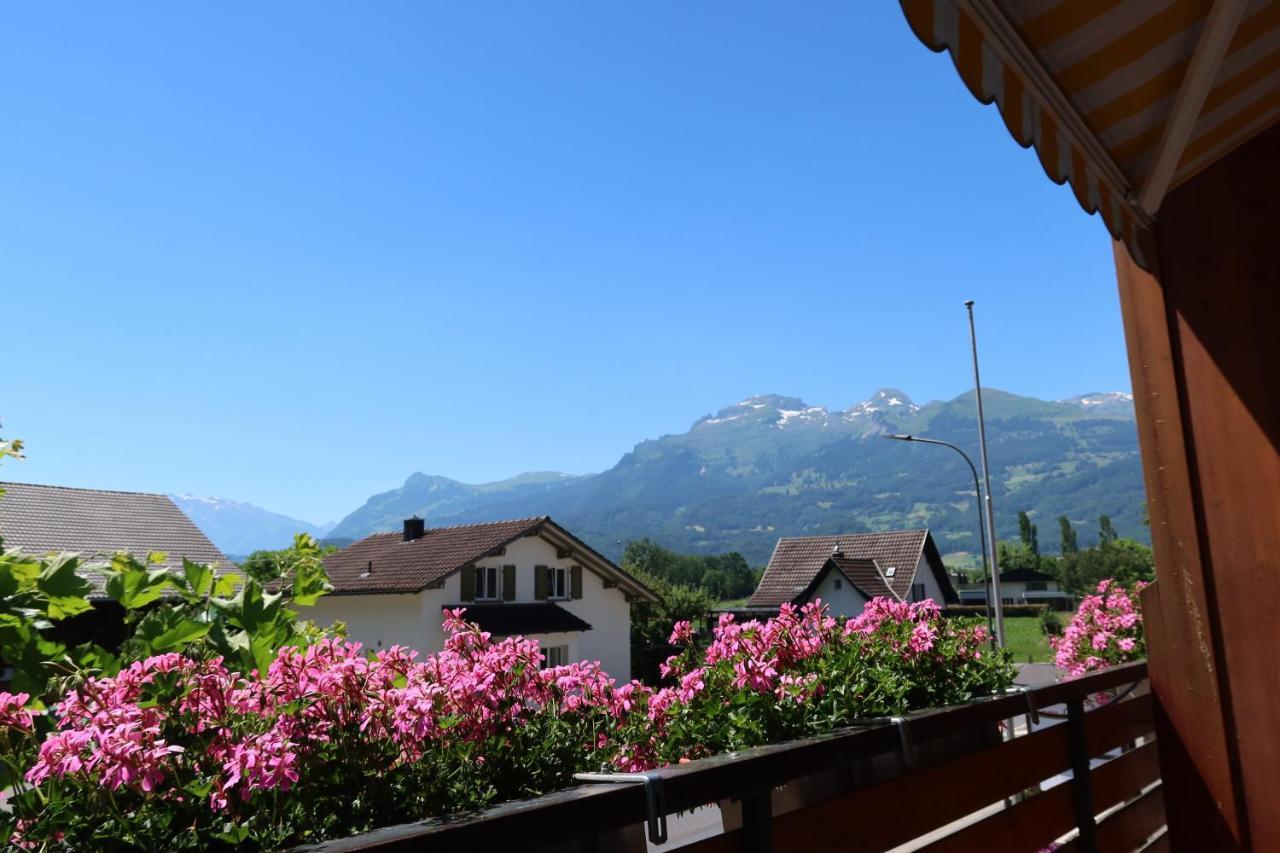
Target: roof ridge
{"x": 533, "y": 519}
{"x": 851, "y": 535}
{"x": 8, "y": 483}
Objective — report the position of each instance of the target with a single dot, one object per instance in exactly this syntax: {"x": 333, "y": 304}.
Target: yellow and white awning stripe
{"x": 1093, "y": 83}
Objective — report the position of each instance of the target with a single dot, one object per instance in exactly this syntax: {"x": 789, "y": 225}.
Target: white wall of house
{"x": 932, "y": 589}
{"x": 380, "y": 621}
{"x": 839, "y": 595}
{"x": 1017, "y": 590}
{"x": 375, "y": 621}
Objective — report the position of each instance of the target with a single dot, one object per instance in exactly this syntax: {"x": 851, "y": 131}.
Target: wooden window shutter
{"x": 469, "y": 583}
{"x": 540, "y": 583}
{"x": 508, "y": 583}
{"x": 575, "y": 581}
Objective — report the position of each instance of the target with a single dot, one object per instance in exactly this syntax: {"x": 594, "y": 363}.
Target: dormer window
{"x": 889, "y": 572}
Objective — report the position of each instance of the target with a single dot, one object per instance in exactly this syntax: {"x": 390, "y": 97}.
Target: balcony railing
{"x": 940, "y": 780}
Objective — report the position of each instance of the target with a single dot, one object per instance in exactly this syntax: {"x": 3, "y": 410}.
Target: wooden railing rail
{"x": 905, "y": 804}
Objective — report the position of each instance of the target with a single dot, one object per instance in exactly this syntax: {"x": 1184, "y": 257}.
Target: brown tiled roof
{"x": 864, "y": 573}
{"x": 400, "y": 566}
{"x": 97, "y": 524}
{"x": 796, "y": 562}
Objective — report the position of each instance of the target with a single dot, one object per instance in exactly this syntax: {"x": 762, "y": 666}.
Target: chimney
{"x": 414, "y": 528}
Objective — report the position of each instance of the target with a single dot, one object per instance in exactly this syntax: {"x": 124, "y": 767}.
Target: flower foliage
{"x": 176, "y": 751}
{"x": 1106, "y": 630}
{"x": 801, "y": 673}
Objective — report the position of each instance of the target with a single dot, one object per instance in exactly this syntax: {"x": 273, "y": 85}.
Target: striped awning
{"x": 1123, "y": 99}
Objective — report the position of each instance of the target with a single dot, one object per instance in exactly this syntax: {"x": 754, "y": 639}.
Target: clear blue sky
{"x": 290, "y": 253}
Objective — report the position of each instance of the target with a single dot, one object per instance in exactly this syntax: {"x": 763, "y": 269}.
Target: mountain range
{"x": 239, "y": 529}
{"x": 772, "y": 465}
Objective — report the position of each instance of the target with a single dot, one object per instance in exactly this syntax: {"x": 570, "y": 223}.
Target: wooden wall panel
{"x": 1219, "y": 243}
{"x": 1205, "y": 356}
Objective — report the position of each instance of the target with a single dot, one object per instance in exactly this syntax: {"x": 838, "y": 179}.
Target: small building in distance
{"x": 1022, "y": 586}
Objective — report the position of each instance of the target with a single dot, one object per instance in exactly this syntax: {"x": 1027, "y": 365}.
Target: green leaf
{"x": 18, "y": 573}
{"x": 310, "y": 582}
{"x": 226, "y": 584}
{"x": 199, "y": 577}
{"x": 64, "y": 589}
{"x": 136, "y": 587}
{"x": 169, "y": 630}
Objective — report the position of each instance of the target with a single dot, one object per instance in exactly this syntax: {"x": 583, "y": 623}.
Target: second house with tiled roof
{"x": 527, "y": 577}
{"x": 848, "y": 571}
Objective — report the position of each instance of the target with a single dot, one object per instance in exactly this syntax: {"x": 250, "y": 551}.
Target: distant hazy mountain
{"x": 772, "y": 465}
{"x": 239, "y": 529}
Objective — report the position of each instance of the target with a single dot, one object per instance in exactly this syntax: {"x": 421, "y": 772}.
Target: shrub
{"x": 1105, "y": 631}
{"x": 1051, "y": 623}
{"x": 1007, "y": 609}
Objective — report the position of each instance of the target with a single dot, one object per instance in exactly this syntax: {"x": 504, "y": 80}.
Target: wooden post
{"x": 1205, "y": 359}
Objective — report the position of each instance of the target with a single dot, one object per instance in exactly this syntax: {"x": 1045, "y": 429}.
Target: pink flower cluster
{"x": 1106, "y": 630}
{"x": 14, "y": 713}
{"x": 788, "y": 661}
{"x": 256, "y": 734}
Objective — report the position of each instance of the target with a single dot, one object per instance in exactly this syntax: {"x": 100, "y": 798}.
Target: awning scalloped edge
{"x": 943, "y": 25}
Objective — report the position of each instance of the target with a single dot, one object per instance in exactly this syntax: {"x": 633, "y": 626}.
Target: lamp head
{"x": 900, "y": 437}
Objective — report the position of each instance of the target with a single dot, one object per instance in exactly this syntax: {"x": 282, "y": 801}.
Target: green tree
{"x": 1028, "y": 533}
{"x": 266, "y": 566}
{"x": 1123, "y": 559}
{"x": 651, "y": 622}
{"x": 1106, "y": 532}
{"x": 723, "y": 576}
{"x": 1068, "y": 534}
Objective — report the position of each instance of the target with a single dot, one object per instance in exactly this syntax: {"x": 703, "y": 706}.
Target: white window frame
{"x": 555, "y": 656}
{"x": 557, "y": 583}
{"x": 488, "y": 583}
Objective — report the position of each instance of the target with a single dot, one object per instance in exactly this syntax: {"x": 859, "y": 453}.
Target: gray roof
{"x": 96, "y": 524}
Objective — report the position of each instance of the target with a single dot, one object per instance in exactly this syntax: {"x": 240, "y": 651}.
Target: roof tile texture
{"x": 97, "y": 524}
{"x": 796, "y": 561}
{"x": 865, "y": 574}
{"x": 400, "y": 566}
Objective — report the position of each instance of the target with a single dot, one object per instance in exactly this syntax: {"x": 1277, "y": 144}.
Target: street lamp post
{"x": 996, "y": 602}
{"x": 982, "y": 535}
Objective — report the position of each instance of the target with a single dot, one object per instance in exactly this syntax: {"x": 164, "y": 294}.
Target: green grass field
{"x": 1025, "y": 639}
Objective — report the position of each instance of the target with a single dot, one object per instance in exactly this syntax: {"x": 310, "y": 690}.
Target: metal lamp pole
{"x": 982, "y": 531}
{"x": 996, "y": 602}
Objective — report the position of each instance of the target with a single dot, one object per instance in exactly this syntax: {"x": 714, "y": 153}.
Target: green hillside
{"x": 771, "y": 466}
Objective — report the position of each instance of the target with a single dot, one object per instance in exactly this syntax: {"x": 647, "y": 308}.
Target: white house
{"x": 527, "y": 576}
{"x": 848, "y": 571}
{"x": 1021, "y": 586}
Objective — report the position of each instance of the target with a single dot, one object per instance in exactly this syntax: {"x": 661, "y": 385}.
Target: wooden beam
{"x": 1182, "y": 647}
{"x": 1219, "y": 26}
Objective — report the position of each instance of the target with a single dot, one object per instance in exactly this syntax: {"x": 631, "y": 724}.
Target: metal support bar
{"x": 1081, "y": 784}
{"x": 1033, "y": 713}
{"x": 757, "y": 821}
{"x": 655, "y": 803}
{"x": 908, "y": 745}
